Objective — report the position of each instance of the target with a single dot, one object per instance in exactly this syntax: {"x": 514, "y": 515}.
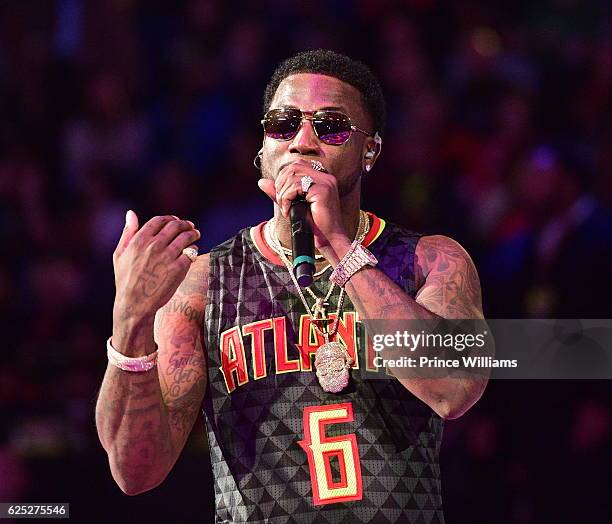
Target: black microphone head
{"x": 304, "y": 274}
{"x": 302, "y": 242}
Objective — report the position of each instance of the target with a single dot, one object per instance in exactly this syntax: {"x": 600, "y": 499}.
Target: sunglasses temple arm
{"x": 359, "y": 130}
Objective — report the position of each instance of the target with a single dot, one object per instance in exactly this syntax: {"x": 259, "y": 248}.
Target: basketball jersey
{"x": 282, "y": 449}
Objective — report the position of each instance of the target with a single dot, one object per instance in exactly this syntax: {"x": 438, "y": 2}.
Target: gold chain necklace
{"x": 271, "y": 236}
{"x": 318, "y": 310}
{"x": 332, "y": 359}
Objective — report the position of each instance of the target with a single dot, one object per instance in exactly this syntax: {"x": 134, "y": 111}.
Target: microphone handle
{"x": 302, "y": 242}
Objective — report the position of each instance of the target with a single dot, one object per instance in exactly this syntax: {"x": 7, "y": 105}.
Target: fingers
{"x": 287, "y": 194}
{"x": 291, "y": 188}
{"x": 159, "y": 232}
{"x": 130, "y": 229}
{"x": 172, "y": 229}
{"x": 183, "y": 240}
{"x": 288, "y": 186}
{"x": 154, "y": 226}
{"x": 276, "y": 193}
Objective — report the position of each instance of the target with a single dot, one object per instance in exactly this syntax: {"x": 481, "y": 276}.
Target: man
{"x": 234, "y": 330}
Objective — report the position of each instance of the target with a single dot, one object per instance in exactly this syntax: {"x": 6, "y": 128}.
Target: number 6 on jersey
{"x": 321, "y": 449}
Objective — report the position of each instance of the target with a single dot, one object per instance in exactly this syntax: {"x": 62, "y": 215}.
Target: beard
{"x": 347, "y": 185}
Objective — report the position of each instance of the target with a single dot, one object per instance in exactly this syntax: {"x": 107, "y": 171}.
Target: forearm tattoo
{"x": 145, "y": 418}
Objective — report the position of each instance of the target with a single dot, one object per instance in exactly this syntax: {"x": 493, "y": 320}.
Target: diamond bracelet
{"x": 356, "y": 258}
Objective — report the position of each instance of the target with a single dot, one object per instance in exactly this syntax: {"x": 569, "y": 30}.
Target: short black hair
{"x": 330, "y": 63}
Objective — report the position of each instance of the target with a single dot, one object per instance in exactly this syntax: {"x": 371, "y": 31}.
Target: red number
{"x": 320, "y": 449}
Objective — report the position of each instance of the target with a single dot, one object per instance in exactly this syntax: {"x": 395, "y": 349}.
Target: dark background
{"x": 499, "y": 135}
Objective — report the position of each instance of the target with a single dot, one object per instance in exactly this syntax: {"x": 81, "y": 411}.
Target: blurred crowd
{"x": 499, "y": 135}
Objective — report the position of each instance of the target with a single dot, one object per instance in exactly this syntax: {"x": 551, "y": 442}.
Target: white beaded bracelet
{"x": 135, "y": 364}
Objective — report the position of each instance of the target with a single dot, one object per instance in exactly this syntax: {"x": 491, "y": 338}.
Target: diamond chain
{"x": 272, "y": 238}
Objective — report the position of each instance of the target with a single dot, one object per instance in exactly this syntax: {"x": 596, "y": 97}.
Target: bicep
{"x": 452, "y": 291}
{"x": 452, "y": 287}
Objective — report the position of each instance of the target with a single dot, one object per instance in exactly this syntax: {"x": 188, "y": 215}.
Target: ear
{"x": 371, "y": 151}
{"x": 257, "y": 161}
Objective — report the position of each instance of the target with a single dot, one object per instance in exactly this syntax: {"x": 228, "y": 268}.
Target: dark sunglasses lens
{"x": 332, "y": 128}
{"x": 282, "y": 124}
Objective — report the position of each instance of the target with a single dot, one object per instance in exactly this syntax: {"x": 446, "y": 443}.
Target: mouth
{"x": 317, "y": 166}
{"x": 314, "y": 164}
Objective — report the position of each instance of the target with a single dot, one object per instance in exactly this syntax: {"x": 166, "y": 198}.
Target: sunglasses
{"x": 331, "y": 127}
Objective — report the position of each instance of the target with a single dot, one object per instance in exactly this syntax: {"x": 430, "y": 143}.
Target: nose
{"x": 306, "y": 141}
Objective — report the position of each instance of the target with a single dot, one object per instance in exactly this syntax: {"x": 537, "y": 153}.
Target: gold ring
{"x": 191, "y": 253}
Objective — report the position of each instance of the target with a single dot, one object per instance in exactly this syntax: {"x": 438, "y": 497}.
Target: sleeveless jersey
{"x": 282, "y": 449}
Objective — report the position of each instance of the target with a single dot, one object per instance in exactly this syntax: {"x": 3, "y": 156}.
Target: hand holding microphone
{"x": 307, "y": 195}
{"x": 302, "y": 238}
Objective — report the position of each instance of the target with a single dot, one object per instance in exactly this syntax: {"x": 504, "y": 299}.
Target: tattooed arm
{"x": 447, "y": 279}
{"x": 144, "y": 419}
{"x": 449, "y": 288}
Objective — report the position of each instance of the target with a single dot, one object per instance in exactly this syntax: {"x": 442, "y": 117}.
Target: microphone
{"x": 302, "y": 241}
